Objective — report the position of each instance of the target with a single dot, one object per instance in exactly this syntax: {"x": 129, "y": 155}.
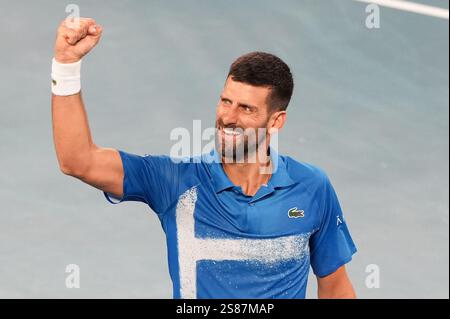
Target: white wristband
{"x": 66, "y": 78}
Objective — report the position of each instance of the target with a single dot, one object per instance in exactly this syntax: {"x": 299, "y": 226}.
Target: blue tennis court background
{"x": 370, "y": 107}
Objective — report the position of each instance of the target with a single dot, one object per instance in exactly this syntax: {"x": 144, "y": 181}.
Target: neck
{"x": 249, "y": 176}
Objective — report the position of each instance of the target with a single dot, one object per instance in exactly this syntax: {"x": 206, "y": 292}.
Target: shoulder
{"x": 312, "y": 179}
{"x": 306, "y": 173}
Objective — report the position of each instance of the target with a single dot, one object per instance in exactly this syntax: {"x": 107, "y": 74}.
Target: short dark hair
{"x": 265, "y": 69}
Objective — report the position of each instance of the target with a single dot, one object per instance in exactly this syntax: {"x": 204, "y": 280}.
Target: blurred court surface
{"x": 370, "y": 107}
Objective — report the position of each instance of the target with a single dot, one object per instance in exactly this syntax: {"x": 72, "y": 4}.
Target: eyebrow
{"x": 239, "y": 104}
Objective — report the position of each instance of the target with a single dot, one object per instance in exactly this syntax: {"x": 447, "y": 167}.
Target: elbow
{"x": 66, "y": 170}
{"x": 73, "y": 169}
{"x": 75, "y": 165}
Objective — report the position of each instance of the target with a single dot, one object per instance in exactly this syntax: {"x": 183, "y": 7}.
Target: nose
{"x": 229, "y": 117}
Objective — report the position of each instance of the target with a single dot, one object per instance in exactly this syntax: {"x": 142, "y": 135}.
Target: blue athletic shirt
{"x": 224, "y": 244}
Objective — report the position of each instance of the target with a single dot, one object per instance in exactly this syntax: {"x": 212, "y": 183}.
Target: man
{"x": 235, "y": 227}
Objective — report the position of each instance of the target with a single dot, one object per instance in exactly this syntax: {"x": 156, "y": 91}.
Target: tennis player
{"x": 241, "y": 221}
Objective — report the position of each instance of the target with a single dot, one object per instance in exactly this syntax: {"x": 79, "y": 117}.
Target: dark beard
{"x": 241, "y": 154}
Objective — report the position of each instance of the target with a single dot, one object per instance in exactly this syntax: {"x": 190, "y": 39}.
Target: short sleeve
{"x": 331, "y": 246}
{"x": 149, "y": 179}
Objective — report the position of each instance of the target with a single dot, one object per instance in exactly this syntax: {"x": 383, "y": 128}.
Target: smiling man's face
{"x": 241, "y": 111}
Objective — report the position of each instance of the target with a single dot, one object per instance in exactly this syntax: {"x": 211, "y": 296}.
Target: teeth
{"x": 230, "y": 131}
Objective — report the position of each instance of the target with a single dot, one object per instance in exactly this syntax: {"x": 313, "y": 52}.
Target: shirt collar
{"x": 219, "y": 178}
{"x": 280, "y": 176}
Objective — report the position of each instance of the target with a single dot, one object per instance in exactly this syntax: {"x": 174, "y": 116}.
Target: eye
{"x": 225, "y": 101}
{"x": 247, "y": 109}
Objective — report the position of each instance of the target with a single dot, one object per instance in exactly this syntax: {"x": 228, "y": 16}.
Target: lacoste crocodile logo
{"x": 296, "y": 213}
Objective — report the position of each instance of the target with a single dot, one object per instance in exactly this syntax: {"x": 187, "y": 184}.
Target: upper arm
{"x": 335, "y": 285}
{"x": 104, "y": 171}
{"x": 153, "y": 180}
{"x": 331, "y": 245}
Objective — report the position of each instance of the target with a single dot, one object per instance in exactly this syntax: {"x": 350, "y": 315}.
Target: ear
{"x": 277, "y": 120}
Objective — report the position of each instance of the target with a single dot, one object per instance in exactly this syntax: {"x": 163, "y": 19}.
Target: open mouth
{"x": 231, "y": 132}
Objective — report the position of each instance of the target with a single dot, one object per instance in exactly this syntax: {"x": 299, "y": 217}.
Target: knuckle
{"x": 62, "y": 32}
{"x": 78, "y": 32}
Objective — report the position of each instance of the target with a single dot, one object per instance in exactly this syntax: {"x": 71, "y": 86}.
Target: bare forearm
{"x": 338, "y": 292}
{"x": 71, "y": 133}
{"x": 335, "y": 286}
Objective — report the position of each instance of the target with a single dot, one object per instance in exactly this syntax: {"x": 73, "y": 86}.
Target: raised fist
{"x": 75, "y": 38}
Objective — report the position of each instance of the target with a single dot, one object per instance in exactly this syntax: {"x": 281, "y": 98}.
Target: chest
{"x": 231, "y": 214}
